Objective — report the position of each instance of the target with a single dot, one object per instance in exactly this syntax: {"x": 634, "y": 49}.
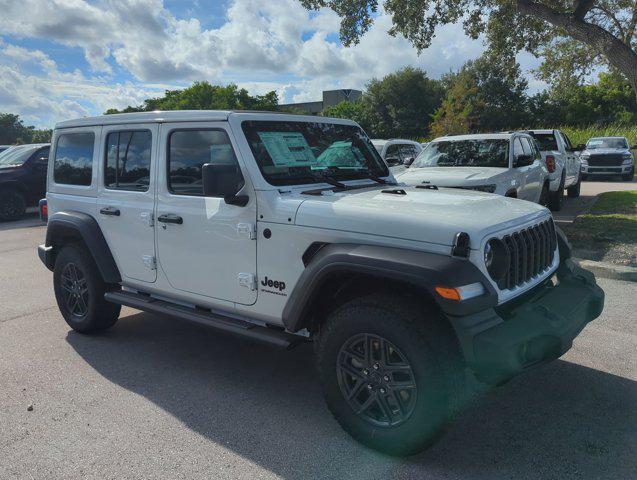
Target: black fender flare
{"x": 421, "y": 269}
{"x": 77, "y": 224}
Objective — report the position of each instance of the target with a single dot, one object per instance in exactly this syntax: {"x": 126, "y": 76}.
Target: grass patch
{"x": 611, "y": 221}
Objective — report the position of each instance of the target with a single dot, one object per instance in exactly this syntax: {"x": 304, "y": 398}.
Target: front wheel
{"x": 627, "y": 177}
{"x": 391, "y": 377}
{"x": 79, "y": 291}
{"x": 12, "y": 205}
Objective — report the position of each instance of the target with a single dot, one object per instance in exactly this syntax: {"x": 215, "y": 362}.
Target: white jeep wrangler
{"x": 288, "y": 229}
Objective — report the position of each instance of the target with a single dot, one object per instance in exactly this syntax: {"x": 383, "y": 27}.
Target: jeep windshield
{"x": 465, "y": 153}
{"x": 595, "y": 143}
{"x": 296, "y": 153}
{"x": 15, "y": 156}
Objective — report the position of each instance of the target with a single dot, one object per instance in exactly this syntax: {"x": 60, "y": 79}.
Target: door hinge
{"x": 247, "y": 230}
{"x": 247, "y": 280}
{"x": 148, "y": 218}
{"x": 150, "y": 262}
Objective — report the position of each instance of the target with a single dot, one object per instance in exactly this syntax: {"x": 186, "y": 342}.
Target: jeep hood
{"x": 451, "y": 176}
{"x": 432, "y": 216}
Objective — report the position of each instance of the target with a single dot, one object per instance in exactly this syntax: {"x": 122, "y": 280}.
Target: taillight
{"x": 43, "y": 209}
{"x": 550, "y": 163}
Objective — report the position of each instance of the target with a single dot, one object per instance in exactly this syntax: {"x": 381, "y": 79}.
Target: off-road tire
{"x": 584, "y": 177}
{"x": 98, "y": 314}
{"x": 574, "y": 190}
{"x": 629, "y": 176}
{"x": 429, "y": 345}
{"x": 556, "y": 199}
{"x": 12, "y": 205}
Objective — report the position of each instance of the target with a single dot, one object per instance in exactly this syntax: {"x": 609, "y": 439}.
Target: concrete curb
{"x": 610, "y": 270}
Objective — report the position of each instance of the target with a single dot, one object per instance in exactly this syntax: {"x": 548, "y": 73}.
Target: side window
{"x": 73, "y": 162}
{"x": 526, "y": 146}
{"x": 188, "y": 150}
{"x": 408, "y": 150}
{"x": 517, "y": 148}
{"x": 128, "y": 160}
{"x": 392, "y": 155}
{"x": 567, "y": 142}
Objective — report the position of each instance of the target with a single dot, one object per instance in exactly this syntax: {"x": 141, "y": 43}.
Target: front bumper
{"x": 540, "y": 326}
{"x": 617, "y": 169}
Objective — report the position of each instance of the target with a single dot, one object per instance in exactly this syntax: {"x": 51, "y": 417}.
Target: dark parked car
{"x": 22, "y": 178}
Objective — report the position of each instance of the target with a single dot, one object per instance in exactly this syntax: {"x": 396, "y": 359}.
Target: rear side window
{"x": 128, "y": 160}
{"x": 188, "y": 151}
{"x": 546, "y": 141}
{"x": 73, "y": 163}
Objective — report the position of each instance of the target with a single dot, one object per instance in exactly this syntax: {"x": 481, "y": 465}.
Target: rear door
{"x": 533, "y": 173}
{"x": 126, "y": 191}
{"x": 36, "y": 178}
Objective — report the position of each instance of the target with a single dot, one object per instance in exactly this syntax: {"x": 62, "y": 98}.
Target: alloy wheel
{"x": 74, "y": 290}
{"x": 376, "y": 380}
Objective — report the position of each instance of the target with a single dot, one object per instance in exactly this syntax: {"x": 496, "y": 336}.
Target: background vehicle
{"x": 608, "y": 155}
{"x": 563, "y": 163}
{"x": 397, "y": 152}
{"x": 22, "y": 178}
{"x": 507, "y": 164}
{"x": 233, "y": 220}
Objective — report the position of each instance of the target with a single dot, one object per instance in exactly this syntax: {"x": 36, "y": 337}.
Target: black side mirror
{"x": 408, "y": 161}
{"x": 523, "y": 160}
{"x": 225, "y": 181}
{"x": 579, "y": 147}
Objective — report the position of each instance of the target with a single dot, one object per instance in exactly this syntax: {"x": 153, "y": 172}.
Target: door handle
{"x": 112, "y": 211}
{"x": 170, "y": 218}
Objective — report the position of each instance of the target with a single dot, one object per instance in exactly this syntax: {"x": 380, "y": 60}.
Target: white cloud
{"x": 277, "y": 44}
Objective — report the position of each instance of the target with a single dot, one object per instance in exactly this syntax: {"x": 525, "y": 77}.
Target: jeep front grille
{"x": 531, "y": 253}
{"x": 608, "y": 160}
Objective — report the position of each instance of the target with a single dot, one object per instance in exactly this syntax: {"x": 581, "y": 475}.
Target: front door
{"x": 205, "y": 246}
{"x": 126, "y": 197}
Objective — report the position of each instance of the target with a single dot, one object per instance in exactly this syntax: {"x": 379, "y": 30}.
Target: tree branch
{"x": 582, "y": 7}
{"x": 619, "y": 54}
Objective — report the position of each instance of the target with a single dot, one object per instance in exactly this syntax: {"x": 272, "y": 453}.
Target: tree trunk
{"x": 618, "y": 54}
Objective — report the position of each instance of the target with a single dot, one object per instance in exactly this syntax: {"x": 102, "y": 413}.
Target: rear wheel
{"x": 79, "y": 291}
{"x": 556, "y": 199}
{"x": 12, "y": 205}
{"x": 574, "y": 190}
{"x": 391, "y": 377}
{"x": 544, "y": 196}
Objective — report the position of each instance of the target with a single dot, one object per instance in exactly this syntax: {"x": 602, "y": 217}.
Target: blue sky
{"x": 68, "y": 58}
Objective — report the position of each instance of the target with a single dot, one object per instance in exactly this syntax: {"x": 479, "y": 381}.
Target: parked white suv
{"x": 507, "y": 164}
{"x": 399, "y": 153}
{"x": 287, "y": 229}
{"x": 563, "y": 163}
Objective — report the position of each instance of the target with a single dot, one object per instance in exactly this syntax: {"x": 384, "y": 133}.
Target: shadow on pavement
{"x": 29, "y": 220}
{"x": 559, "y": 421}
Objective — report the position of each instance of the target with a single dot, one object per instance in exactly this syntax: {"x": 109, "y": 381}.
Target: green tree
{"x": 205, "y": 96}
{"x": 358, "y": 111}
{"x": 402, "y": 103}
{"x": 13, "y": 131}
{"x": 486, "y": 95}
{"x": 604, "y": 29}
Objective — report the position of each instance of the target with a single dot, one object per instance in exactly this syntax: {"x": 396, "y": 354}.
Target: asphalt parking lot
{"x": 156, "y": 398}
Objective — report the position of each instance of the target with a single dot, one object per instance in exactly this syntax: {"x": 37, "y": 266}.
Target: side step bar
{"x": 224, "y": 323}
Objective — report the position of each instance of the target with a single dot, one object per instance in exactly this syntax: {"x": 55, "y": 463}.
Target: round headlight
{"x": 496, "y": 259}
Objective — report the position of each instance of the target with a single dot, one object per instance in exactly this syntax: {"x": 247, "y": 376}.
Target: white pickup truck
{"x": 563, "y": 163}
{"x": 507, "y": 164}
